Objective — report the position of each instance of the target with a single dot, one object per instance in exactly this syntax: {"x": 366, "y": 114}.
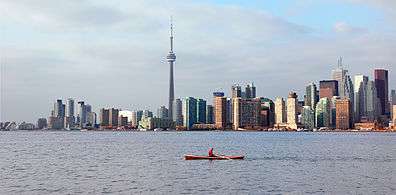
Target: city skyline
{"x": 127, "y": 77}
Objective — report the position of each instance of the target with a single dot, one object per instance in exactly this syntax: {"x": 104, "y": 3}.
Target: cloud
{"x": 343, "y": 27}
{"x": 112, "y": 53}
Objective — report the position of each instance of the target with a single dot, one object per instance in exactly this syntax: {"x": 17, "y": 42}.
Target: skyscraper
{"x": 209, "y": 114}
{"x": 162, "y": 112}
{"x": 311, "y": 95}
{"x": 345, "y": 86}
{"x": 360, "y": 103}
{"x": 381, "y": 84}
{"x": 113, "y": 117}
{"x": 171, "y": 58}
{"x": 322, "y": 113}
{"x": 220, "y": 110}
{"x": 373, "y": 105}
{"x": 328, "y": 88}
{"x": 59, "y": 109}
{"x": 236, "y": 91}
{"x": 190, "y": 112}
{"x": 178, "y": 112}
{"x": 246, "y": 113}
{"x": 104, "y": 117}
{"x": 267, "y": 112}
{"x": 280, "y": 111}
{"x": 393, "y": 97}
{"x": 82, "y": 112}
{"x": 250, "y": 91}
{"x": 308, "y": 117}
{"x": 344, "y": 116}
{"x": 292, "y": 110}
{"x": 201, "y": 111}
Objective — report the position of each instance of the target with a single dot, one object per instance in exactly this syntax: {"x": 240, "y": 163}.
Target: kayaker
{"x": 211, "y": 153}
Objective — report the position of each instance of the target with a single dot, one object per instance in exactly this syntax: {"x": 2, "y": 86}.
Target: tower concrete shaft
{"x": 171, "y": 58}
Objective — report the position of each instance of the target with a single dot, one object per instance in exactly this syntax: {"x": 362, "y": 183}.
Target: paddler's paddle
{"x": 223, "y": 156}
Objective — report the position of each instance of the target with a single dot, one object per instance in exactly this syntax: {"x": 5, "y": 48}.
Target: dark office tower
{"x": 250, "y": 91}
{"x": 236, "y": 91}
{"x": 58, "y": 109}
{"x": 201, "y": 111}
{"x": 113, "y": 117}
{"x": 190, "y": 112}
{"x": 104, "y": 117}
{"x": 311, "y": 94}
{"x": 381, "y": 84}
{"x": 328, "y": 88}
{"x": 267, "y": 112}
{"x": 171, "y": 58}
{"x": 82, "y": 112}
{"x": 209, "y": 114}
{"x": 393, "y": 95}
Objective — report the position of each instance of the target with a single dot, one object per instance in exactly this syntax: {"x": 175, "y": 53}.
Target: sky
{"x": 112, "y": 53}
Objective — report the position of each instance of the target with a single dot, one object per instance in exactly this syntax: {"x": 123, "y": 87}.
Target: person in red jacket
{"x": 211, "y": 153}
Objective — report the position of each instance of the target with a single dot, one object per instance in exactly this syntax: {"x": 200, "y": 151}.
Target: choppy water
{"x": 152, "y": 162}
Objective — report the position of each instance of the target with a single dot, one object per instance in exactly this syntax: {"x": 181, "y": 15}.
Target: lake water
{"x": 152, "y": 163}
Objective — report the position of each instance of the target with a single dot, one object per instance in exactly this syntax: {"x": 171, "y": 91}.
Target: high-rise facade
{"x": 209, "y": 114}
{"x": 345, "y": 85}
{"x": 360, "y": 103}
{"x": 171, "y": 58}
{"x": 236, "y": 91}
{"x": 394, "y": 115}
{"x": 267, "y": 112}
{"x": 104, "y": 117}
{"x": 373, "y": 106}
{"x": 280, "y": 111}
{"x": 178, "y": 112}
{"x": 381, "y": 84}
{"x": 308, "y": 117}
{"x": 328, "y": 88}
{"x": 250, "y": 91}
{"x": 311, "y": 95}
{"x": 70, "y": 119}
{"x": 393, "y": 97}
{"x": 292, "y": 110}
{"x": 344, "y": 114}
{"x": 322, "y": 113}
{"x": 190, "y": 112}
{"x": 201, "y": 111}
{"x": 162, "y": 112}
{"x": 246, "y": 113}
{"x": 220, "y": 110}
{"x": 82, "y": 113}
{"x": 113, "y": 117}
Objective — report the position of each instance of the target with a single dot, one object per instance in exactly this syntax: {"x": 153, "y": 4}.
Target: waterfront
{"x": 152, "y": 162}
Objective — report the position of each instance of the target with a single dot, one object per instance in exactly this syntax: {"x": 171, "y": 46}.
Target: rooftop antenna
{"x": 171, "y": 33}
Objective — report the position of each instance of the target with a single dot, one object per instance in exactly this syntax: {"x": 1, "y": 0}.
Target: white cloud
{"x": 112, "y": 53}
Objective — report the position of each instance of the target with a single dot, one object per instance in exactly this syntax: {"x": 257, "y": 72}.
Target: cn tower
{"x": 171, "y": 58}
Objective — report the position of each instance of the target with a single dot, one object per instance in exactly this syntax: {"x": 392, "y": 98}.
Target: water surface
{"x": 152, "y": 162}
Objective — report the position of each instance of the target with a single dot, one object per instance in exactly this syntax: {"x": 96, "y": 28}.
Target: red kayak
{"x": 193, "y": 157}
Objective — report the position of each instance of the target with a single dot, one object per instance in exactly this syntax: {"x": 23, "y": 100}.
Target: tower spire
{"x": 171, "y": 34}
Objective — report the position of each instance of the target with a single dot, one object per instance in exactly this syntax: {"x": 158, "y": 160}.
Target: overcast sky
{"x": 112, "y": 53}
